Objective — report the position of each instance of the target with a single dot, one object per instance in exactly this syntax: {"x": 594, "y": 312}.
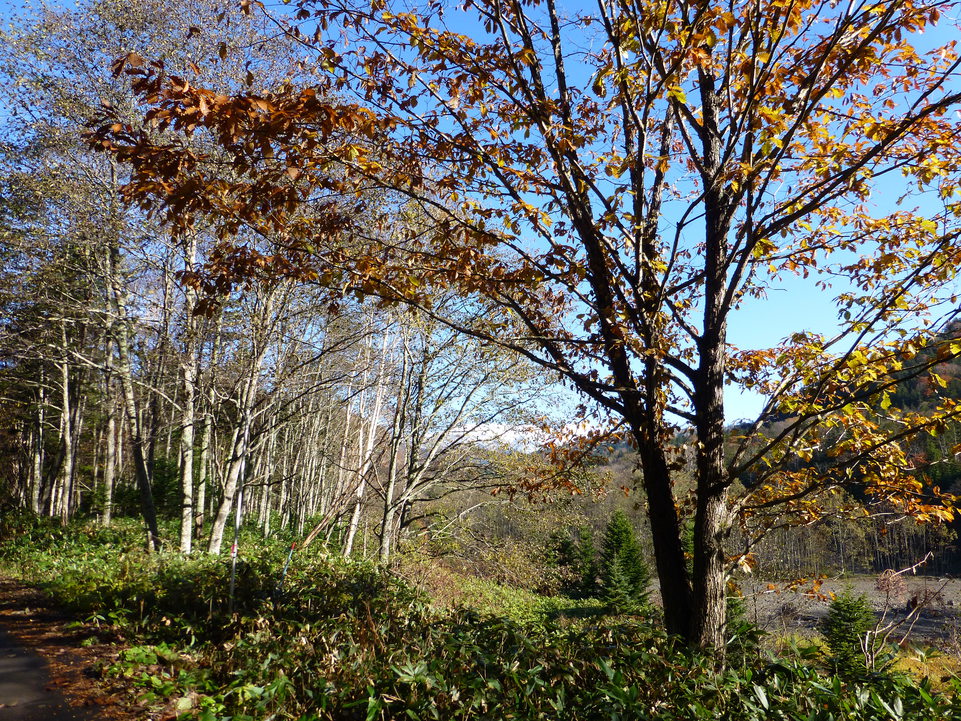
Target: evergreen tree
{"x": 624, "y": 574}
{"x": 574, "y": 551}
{"x": 849, "y": 619}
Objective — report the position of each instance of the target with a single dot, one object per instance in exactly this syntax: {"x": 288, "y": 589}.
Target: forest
{"x": 362, "y": 361}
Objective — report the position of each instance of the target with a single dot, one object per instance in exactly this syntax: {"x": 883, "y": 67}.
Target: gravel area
{"x": 783, "y": 610}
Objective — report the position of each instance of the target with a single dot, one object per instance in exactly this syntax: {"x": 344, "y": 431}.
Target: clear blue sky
{"x": 789, "y": 308}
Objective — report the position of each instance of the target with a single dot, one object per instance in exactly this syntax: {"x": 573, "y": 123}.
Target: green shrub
{"x": 347, "y": 641}
{"x": 844, "y": 629}
{"x": 624, "y": 574}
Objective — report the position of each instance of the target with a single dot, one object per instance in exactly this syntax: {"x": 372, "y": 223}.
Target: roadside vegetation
{"x": 344, "y": 639}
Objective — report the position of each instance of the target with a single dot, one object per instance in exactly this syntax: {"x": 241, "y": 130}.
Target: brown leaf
{"x": 120, "y": 64}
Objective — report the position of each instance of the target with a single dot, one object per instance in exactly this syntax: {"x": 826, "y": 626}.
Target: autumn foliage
{"x": 620, "y": 182}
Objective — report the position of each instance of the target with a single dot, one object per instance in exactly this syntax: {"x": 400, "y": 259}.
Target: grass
{"x": 942, "y": 669}
{"x": 347, "y": 641}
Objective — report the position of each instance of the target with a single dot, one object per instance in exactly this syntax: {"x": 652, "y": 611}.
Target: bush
{"x": 624, "y": 575}
{"x": 844, "y": 629}
{"x": 347, "y": 641}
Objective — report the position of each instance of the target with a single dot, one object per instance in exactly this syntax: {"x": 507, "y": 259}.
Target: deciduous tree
{"x": 620, "y": 183}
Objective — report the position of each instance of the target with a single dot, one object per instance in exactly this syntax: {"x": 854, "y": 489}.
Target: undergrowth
{"x": 344, "y": 641}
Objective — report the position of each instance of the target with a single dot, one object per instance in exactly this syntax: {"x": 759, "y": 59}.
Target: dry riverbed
{"x": 783, "y": 610}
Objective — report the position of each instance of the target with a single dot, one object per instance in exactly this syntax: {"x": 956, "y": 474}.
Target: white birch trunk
{"x": 240, "y": 446}
{"x": 366, "y": 452}
{"x": 189, "y": 366}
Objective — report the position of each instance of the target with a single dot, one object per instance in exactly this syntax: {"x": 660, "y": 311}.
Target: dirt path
{"x": 27, "y": 690}
{"x": 45, "y": 672}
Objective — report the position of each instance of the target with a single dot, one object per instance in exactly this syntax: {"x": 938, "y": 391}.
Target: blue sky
{"x": 790, "y": 307}
{"x": 792, "y": 304}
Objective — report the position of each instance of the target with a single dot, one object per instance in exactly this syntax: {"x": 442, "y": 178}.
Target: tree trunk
{"x": 234, "y": 471}
{"x": 110, "y": 408}
{"x": 125, "y": 376}
{"x": 187, "y": 421}
{"x": 36, "y": 470}
{"x": 241, "y": 436}
{"x": 61, "y": 504}
{"x": 365, "y": 448}
{"x": 36, "y": 484}
{"x": 206, "y": 436}
{"x": 189, "y": 372}
{"x": 202, "y": 475}
{"x": 110, "y": 463}
{"x": 711, "y": 523}
{"x": 666, "y": 536}
{"x": 387, "y": 524}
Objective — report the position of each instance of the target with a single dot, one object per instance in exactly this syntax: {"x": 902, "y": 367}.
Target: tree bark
{"x": 711, "y": 522}
{"x": 187, "y": 425}
{"x": 202, "y": 475}
{"x": 666, "y": 536}
{"x": 125, "y": 376}
{"x": 110, "y": 454}
{"x": 189, "y": 366}
{"x": 206, "y": 435}
{"x": 36, "y": 486}
{"x": 239, "y": 448}
{"x": 387, "y": 524}
{"x": 110, "y": 463}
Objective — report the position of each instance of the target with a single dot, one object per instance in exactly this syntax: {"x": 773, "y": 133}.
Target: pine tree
{"x": 624, "y": 574}
{"x": 849, "y": 619}
{"x": 573, "y": 551}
